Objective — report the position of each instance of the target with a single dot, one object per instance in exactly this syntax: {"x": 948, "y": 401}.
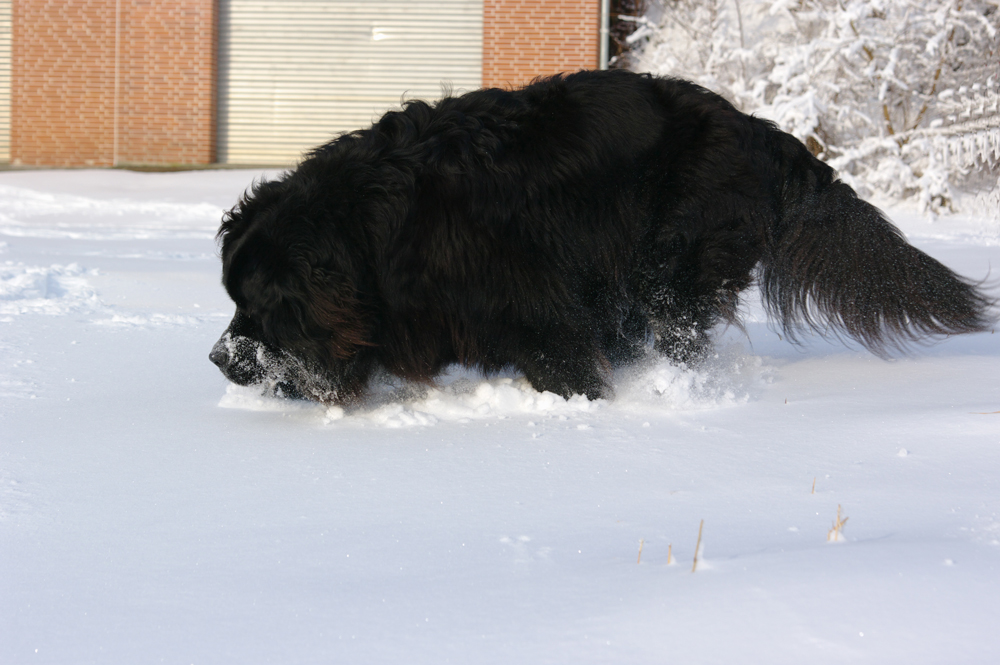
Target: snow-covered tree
{"x": 901, "y": 96}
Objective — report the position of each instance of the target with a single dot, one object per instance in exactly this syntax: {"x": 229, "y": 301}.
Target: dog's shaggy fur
{"x": 558, "y": 229}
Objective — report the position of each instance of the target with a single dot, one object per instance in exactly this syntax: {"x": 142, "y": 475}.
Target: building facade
{"x": 195, "y": 82}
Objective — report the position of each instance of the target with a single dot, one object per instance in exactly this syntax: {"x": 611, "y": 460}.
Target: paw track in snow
{"x": 51, "y": 290}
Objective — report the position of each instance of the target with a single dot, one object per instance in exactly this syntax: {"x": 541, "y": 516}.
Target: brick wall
{"x": 63, "y": 82}
{"x": 523, "y": 39}
{"x": 167, "y": 100}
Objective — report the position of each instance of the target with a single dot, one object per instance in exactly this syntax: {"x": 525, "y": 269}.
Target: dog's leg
{"x": 687, "y": 285}
{"x": 565, "y": 376}
{"x": 626, "y": 342}
{"x": 566, "y": 363}
{"x": 683, "y": 336}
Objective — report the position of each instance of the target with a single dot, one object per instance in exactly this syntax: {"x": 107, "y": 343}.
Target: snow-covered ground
{"x": 151, "y": 513}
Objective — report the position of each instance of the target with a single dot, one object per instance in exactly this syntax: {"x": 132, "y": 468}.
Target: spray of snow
{"x": 462, "y": 395}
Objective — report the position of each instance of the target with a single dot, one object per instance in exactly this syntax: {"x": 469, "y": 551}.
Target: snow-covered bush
{"x": 901, "y": 96}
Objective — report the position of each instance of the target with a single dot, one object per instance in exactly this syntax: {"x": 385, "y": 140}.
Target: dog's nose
{"x": 219, "y": 356}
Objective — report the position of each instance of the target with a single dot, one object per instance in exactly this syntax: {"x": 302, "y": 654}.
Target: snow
{"x": 149, "y": 512}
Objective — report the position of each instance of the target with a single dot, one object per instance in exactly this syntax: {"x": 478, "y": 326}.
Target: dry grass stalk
{"x": 641, "y": 541}
{"x": 697, "y": 547}
{"x": 670, "y": 555}
{"x": 833, "y": 535}
{"x": 814, "y": 486}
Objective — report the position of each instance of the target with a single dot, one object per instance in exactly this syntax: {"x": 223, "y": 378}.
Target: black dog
{"x": 556, "y": 229}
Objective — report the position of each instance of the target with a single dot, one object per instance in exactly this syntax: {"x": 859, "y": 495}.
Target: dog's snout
{"x": 219, "y": 355}
{"x": 239, "y": 359}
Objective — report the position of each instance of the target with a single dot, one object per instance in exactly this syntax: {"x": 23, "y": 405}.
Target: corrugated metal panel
{"x": 293, "y": 74}
{"x": 5, "y": 23}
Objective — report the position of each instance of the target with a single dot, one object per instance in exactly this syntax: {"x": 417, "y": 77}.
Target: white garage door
{"x": 295, "y": 73}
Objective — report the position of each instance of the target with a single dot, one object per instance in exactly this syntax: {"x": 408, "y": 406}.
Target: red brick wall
{"x": 523, "y": 39}
{"x": 63, "y": 82}
{"x": 167, "y": 70}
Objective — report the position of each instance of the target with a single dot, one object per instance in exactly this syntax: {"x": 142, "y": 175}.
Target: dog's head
{"x": 299, "y": 328}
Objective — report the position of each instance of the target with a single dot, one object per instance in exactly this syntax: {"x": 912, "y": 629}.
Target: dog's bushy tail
{"x": 833, "y": 263}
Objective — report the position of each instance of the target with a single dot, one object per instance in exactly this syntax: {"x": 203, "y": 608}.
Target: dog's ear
{"x": 334, "y": 306}
{"x": 301, "y": 307}
{"x": 258, "y": 275}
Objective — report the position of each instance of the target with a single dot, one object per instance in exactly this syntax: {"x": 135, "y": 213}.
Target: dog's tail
{"x": 833, "y": 263}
